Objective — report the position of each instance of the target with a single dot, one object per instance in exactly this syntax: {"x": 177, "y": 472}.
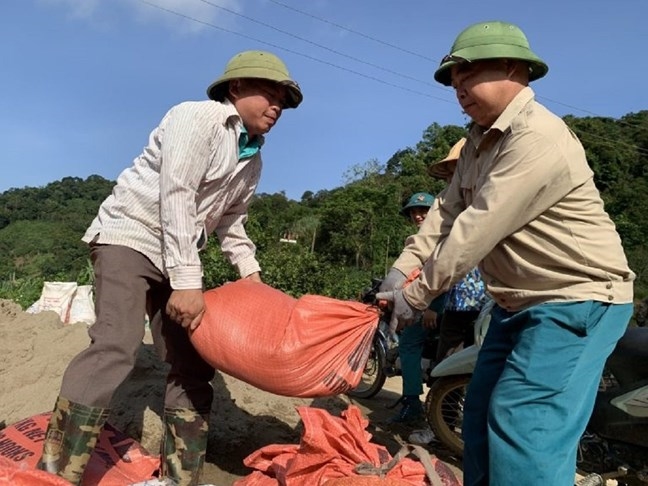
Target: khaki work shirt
{"x": 523, "y": 205}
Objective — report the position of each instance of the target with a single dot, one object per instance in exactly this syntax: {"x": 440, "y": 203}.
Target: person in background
{"x": 523, "y": 205}
{"x": 463, "y": 301}
{"x": 466, "y": 298}
{"x": 197, "y": 175}
{"x": 412, "y": 340}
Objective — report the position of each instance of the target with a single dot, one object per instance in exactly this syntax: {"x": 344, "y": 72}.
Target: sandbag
{"x": 366, "y": 481}
{"x": 336, "y": 449}
{"x": 82, "y": 308}
{"x": 308, "y": 347}
{"x": 10, "y": 476}
{"x": 73, "y": 303}
{"x": 57, "y": 297}
{"x": 117, "y": 459}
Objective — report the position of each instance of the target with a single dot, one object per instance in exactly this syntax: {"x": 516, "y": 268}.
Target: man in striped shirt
{"x": 197, "y": 175}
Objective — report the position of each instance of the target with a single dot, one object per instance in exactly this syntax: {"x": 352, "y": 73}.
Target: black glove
{"x": 403, "y": 313}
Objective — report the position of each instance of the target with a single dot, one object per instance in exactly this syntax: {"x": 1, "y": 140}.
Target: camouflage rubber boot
{"x": 184, "y": 445}
{"x": 70, "y": 439}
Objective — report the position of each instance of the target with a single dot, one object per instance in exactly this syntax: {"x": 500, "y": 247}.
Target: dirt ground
{"x": 36, "y": 348}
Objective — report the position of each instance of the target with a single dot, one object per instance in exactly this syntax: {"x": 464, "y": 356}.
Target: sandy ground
{"x": 36, "y": 348}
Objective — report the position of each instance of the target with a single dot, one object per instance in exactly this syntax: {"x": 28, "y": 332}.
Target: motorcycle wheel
{"x": 373, "y": 377}
{"x": 444, "y": 410}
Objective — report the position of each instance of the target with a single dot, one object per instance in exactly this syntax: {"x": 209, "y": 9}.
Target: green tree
{"x": 344, "y": 235}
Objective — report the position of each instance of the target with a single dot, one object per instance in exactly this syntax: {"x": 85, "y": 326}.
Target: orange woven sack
{"x": 308, "y": 347}
{"x": 117, "y": 459}
{"x": 10, "y": 476}
{"x": 366, "y": 481}
{"x": 336, "y": 451}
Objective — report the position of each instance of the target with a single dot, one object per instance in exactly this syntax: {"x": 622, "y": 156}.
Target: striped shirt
{"x": 187, "y": 183}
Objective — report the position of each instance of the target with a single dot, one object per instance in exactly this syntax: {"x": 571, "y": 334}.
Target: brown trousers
{"x": 127, "y": 286}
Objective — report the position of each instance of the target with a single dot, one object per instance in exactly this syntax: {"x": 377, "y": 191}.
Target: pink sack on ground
{"x": 117, "y": 459}
{"x": 10, "y": 476}
{"x": 331, "y": 448}
{"x": 307, "y": 347}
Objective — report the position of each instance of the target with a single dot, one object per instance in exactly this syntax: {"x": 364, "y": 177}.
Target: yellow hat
{"x": 440, "y": 167}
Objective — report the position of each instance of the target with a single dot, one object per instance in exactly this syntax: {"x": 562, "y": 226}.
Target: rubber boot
{"x": 184, "y": 445}
{"x": 71, "y": 436}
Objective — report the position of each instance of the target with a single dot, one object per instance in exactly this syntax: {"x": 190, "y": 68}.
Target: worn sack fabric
{"x": 337, "y": 451}
{"x": 117, "y": 460}
{"x": 308, "y": 347}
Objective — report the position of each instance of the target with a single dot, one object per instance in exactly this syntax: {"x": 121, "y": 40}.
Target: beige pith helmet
{"x": 440, "y": 167}
{"x": 257, "y": 65}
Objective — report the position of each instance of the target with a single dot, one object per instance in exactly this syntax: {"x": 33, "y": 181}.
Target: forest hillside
{"x": 331, "y": 242}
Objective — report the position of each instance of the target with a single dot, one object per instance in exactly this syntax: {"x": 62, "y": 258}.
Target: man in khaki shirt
{"x": 523, "y": 206}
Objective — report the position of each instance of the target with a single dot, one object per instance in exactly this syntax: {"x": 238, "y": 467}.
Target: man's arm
{"x": 185, "y": 158}
{"x": 419, "y": 246}
{"x": 529, "y": 176}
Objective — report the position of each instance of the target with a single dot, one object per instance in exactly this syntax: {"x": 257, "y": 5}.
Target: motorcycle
{"x": 383, "y": 359}
{"x": 616, "y": 437}
{"x": 448, "y": 382}
{"x": 617, "y": 433}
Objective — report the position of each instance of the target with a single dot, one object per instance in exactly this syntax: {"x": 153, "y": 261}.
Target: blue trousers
{"x": 410, "y": 350}
{"x": 533, "y": 391}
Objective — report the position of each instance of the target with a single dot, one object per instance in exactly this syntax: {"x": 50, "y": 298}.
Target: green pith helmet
{"x": 420, "y": 200}
{"x": 490, "y": 40}
{"x": 259, "y": 65}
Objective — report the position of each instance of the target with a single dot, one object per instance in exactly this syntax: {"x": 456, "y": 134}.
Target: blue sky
{"x": 85, "y": 81}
